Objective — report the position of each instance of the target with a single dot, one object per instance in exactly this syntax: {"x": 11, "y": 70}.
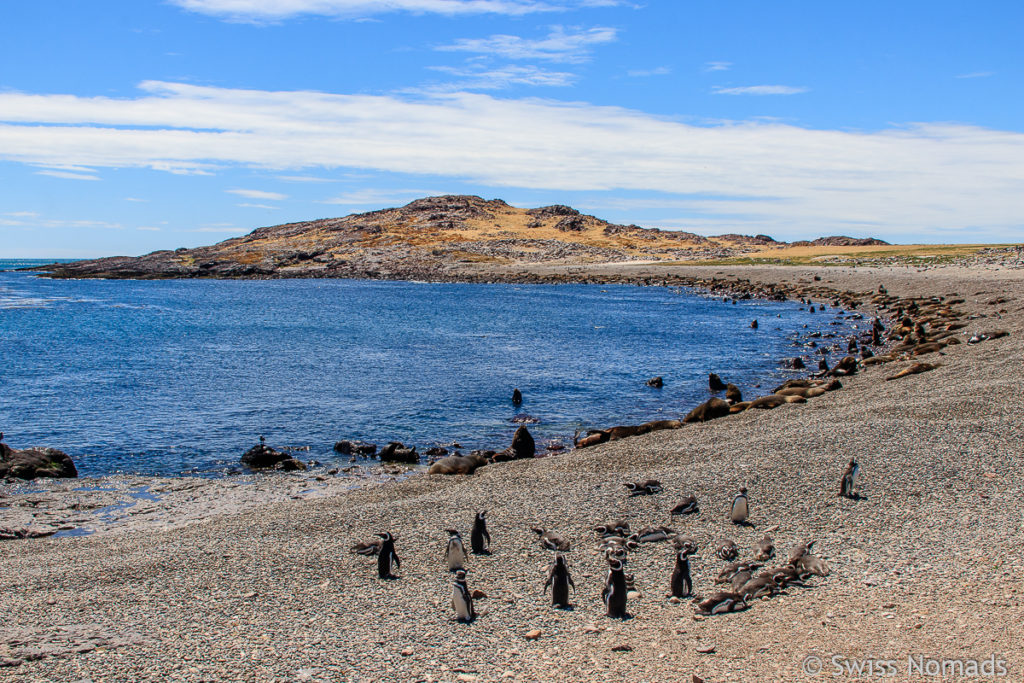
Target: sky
{"x": 128, "y": 126}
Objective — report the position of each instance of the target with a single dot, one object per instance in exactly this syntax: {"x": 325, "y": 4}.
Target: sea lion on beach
{"x": 615, "y": 591}
{"x": 740, "y": 509}
{"x": 848, "y": 482}
{"x": 455, "y": 551}
{"x": 709, "y": 410}
{"x": 559, "y": 581}
{"x": 550, "y": 540}
{"x": 797, "y": 363}
{"x": 732, "y": 394}
{"x": 387, "y": 560}
{"x": 914, "y": 369}
{"x": 479, "y": 539}
{"x": 458, "y": 464}
{"x": 846, "y": 366}
{"x": 681, "y": 583}
{"x": 462, "y": 599}
{"x": 715, "y": 383}
{"x": 767, "y": 402}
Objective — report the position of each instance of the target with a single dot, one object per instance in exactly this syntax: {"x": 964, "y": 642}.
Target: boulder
{"x": 347, "y": 447}
{"x": 709, "y": 410}
{"x": 263, "y": 457}
{"x": 35, "y": 462}
{"x": 656, "y": 382}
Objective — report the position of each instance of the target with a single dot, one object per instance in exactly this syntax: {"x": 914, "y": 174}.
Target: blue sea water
{"x": 180, "y": 376}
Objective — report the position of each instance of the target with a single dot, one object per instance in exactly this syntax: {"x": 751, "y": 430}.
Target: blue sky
{"x": 128, "y": 126}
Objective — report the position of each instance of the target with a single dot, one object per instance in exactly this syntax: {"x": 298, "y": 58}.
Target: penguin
{"x": 619, "y": 527}
{"x": 811, "y": 564}
{"x": 731, "y": 570}
{"x": 740, "y": 508}
{"x": 479, "y": 539}
{"x": 848, "y": 482}
{"x": 653, "y": 534}
{"x": 765, "y": 549}
{"x": 727, "y": 550}
{"x": 455, "y": 552}
{"x": 559, "y": 581}
{"x": 618, "y": 543}
{"x": 644, "y": 488}
{"x": 517, "y": 397}
{"x": 740, "y": 579}
{"x": 367, "y": 548}
{"x": 799, "y": 550}
{"x": 758, "y": 587}
{"x": 550, "y": 540}
{"x": 681, "y": 583}
{"x": 680, "y": 542}
{"x": 687, "y": 506}
{"x": 386, "y": 557}
{"x": 784, "y": 576}
{"x": 720, "y": 603}
{"x": 462, "y": 599}
{"x": 614, "y": 592}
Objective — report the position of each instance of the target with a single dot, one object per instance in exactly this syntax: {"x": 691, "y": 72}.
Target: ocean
{"x": 182, "y": 376}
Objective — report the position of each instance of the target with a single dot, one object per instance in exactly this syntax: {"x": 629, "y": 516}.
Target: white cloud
{"x": 717, "y": 66}
{"x": 761, "y": 90}
{"x": 657, "y": 71}
{"x": 256, "y": 206}
{"x": 371, "y": 197}
{"x": 273, "y": 10}
{"x": 560, "y": 45}
{"x": 303, "y": 179}
{"x": 68, "y": 175}
{"x": 919, "y": 177}
{"x": 135, "y": 199}
{"x": 258, "y": 194}
{"x": 478, "y": 77}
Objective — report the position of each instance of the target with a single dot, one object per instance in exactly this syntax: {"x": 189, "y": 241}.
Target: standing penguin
{"x": 681, "y": 583}
{"x": 848, "y": 483}
{"x": 740, "y": 508}
{"x": 614, "y": 593}
{"x": 559, "y": 581}
{"x": 462, "y": 599}
{"x": 479, "y": 539}
{"x": 386, "y": 557}
{"x": 455, "y": 553}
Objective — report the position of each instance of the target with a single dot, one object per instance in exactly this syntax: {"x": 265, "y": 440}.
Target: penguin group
{"x": 745, "y": 580}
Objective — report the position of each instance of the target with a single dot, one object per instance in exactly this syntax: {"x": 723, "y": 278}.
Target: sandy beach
{"x": 231, "y": 580}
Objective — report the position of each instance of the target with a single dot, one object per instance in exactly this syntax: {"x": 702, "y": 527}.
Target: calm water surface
{"x": 181, "y": 376}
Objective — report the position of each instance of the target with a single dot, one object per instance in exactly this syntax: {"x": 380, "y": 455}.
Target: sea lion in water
{"x": 715, "y": 383}
{"x": 914, "y": 369}
{"x": 656, "y": 382}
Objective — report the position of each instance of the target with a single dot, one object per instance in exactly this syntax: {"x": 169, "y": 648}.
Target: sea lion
{"x": 457, "y": 464}
{"x": 914, "y": 369}
{"x": 656, "y": 382}
{"x": 732, "y": 394}
{"x": 715, "y": 383}
{"x": 709, "y": 410}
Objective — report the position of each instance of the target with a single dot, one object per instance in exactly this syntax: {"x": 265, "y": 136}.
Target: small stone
{"x": 592, "y": 628}
{"x": 466, "y": 677}
{"x": 706, "y": 649}
{"x": 533, "y": 635}
{"x": 674, "y": 600}
{"x": 990, "y": 475}
{"x": 478, "y": 594}
{"x": 407, "y": 652}
{"x": 698, "y": 617}
{"x": 622, "y": 648}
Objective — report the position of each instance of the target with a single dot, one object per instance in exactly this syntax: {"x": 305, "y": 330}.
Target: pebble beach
{"x": 231, "y": 580}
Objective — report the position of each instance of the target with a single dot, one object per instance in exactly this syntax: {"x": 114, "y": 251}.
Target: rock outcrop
{"x": 263, "y": 457}
{"x": 31, "y": 463}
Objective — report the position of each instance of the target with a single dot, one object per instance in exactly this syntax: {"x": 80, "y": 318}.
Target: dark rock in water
{"x": 35, "y": 462}
{"x": 656, "y": 382}
{"x": 524, "y": 419}
{"x": 732, "y": 393}
{"x": 397, "y": 452}
{"x": 434, "y": 451}
{"x": 517, "y": 397}
{"x": 797, "y": 363}
{"x": 355, "y": 448}
{"x": 458, "y": 464}
{"x": 715, "y": 382}
{"x": 709, "y": 410}
{"x": 263, "y": 457}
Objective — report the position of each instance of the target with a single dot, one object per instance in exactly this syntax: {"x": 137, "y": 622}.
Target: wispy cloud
{"x": 923, "y": 177}
{"x": 977, "y": 74}
{"x": 481, "y": 77}
{"x": 274, "y": 10}
{"x": 258, "y": 194}
{"x": 717, "y": 66}
{"x": 68, "y": 175}
{"x": 641, "y": 73}
{"x": 148, "y": 228}
{"x": 761, "y": 90}
{"x": 304, "y": 179}
{"x": 371, "y": 197}
{"x": 135, "y": 199}
{"x": 247, "y": 205}
{"x": 571, "y": 45}
{"x": 34, "y": 220}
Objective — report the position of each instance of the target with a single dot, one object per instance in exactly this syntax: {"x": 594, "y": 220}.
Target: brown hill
{"x": 430, "y": 238}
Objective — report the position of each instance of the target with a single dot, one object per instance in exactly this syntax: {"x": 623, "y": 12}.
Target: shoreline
{"x": 926, "y": 563}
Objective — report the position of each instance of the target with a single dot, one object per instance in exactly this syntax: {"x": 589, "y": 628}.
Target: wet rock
{"x": 31, "y": 463}
{"x": 347, "y": 447}
{"x": 263, "y": 457}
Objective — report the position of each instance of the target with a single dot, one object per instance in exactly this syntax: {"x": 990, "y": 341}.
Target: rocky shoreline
{"x": 937, "y": 455}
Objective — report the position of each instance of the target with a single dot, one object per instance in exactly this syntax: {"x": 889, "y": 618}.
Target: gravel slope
{"x": 927, "y": 564}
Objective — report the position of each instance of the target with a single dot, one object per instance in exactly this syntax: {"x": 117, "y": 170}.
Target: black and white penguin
{"x": 727, "y": 550}
{"x": 653, "y": 534}
{"x": 462, "y": 599}
{"x": 614, "y": 592}
{"x": 758, "y": 587}
{"x": 687, "y": 506}
{"x": 619, "y": 527}
{"x": 367, "y": 548}
{"x": 720, "y": 603}
{"x": 644, "y": 488}
{"x": 387, "y": 560}
{"x": 479, "y": 539}
{"x": 740, "y": 508}
{"x": 799, "y": 550}
{"x": 848, "y": 482}
{"x": 681, "y": 583}
{"x": 559, "y": 582}
{"x": 731, "y": 570}
{"x": 455, "y": 552}
{"x": 551, "y": 540}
